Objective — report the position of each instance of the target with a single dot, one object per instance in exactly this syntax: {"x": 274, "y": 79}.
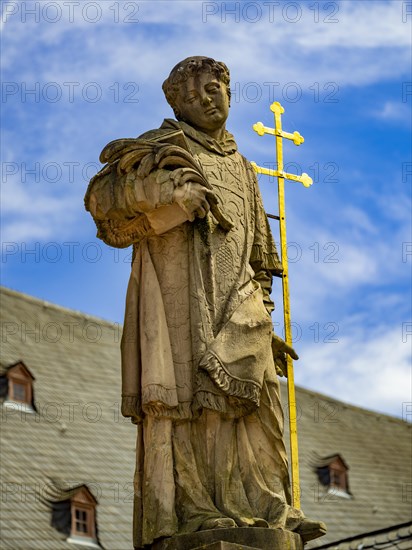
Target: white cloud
{"x": 360, "y": 25}
{"x": 31, "y": 215}
{"x": 394, "y": 112}
{"x": 348, "y": 51}
{"x": 369, "y": 367}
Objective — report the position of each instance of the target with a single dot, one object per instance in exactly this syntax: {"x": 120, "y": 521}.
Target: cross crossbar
{"x": 304, "y": 178}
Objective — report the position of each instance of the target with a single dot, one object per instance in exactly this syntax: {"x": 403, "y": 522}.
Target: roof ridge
{"x": 51, "y": 305}
{"x": 366, "y": 534}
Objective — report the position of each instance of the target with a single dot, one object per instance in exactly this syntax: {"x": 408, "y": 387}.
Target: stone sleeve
{"x": 126, "y": 208}
{"x": 111, "y": 196}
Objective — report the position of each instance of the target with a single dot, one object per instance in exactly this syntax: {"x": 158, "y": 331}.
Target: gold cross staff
{"x": 281, "y": 175}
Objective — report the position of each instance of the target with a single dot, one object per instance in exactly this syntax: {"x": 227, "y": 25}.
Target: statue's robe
{"x": 197, "y": 367}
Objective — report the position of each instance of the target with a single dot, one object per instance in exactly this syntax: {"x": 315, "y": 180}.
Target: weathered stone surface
{"x": 199, "y": 356}
{"x": 232, "y": 539}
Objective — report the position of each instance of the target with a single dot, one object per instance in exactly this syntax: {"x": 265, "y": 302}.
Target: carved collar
{"x": 225, "y": 147}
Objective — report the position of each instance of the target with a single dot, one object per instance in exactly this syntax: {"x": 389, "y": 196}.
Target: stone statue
{"x": 199, "y": 357}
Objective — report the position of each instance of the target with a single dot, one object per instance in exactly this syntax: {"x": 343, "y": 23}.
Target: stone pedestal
{"x": 241, "y": 538}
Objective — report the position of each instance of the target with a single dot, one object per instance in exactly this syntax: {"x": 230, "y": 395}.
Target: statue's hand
{"x": 194, "y": 199}
{"x": 280, "y": 349}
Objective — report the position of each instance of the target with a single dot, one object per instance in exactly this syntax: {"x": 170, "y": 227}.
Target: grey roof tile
{"x": 383, "y": 539}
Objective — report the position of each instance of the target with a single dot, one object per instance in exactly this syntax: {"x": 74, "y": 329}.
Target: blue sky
{"x": 78, "y": 74}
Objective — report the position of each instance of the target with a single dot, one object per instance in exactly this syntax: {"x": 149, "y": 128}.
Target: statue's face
{"x": 203, "y": 103}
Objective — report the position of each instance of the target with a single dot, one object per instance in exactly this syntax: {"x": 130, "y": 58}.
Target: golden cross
{"x": 281, "y": 175}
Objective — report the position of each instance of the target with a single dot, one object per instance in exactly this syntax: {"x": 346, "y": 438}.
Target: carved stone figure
{"x": 199, "y": 358}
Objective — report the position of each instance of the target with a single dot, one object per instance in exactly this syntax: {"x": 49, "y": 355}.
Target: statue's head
{"x": 192, "y": 66}
{"x": 198, "y": 90}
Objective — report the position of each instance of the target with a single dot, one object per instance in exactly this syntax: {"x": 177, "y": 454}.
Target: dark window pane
{"x": 81, "y": 523}
{"x": 19, "y": 392}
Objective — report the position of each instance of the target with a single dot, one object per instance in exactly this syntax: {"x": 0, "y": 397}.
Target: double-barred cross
{"x": 281, "y": 175}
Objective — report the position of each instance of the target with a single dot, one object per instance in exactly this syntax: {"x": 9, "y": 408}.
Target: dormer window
{"x": 338, "y": 477}
{"x": 74, "y": 513}
{"x": 333, "y": 474}
{"x": 17, "y": 387}
{"x": 83, "y": 518}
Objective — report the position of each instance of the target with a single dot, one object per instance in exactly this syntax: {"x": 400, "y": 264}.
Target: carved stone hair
{"x": 189, "y": 67}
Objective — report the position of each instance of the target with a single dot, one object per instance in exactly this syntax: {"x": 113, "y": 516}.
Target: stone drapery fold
{"x": 197, "y": 370}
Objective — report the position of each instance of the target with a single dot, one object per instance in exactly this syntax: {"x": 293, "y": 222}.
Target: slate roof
{"x": 377, "y": 449}
{"x": 79, "y": 437}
